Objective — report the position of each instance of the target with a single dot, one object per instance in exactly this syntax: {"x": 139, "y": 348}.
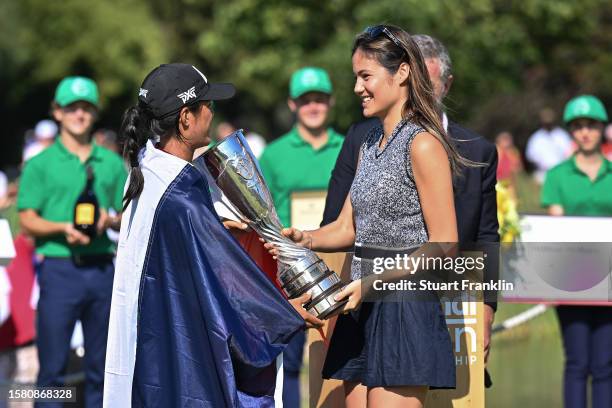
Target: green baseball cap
{"x": 76, "y": 88}
{"x": 585, "y": 106}
{"x": 309, "y": 79}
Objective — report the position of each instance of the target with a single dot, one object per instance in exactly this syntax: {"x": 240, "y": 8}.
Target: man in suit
{"x": 475, "y": 197}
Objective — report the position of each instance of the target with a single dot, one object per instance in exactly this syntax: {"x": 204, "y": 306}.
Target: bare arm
{"x": 33, "y": 224}
{"x": 339, "y": 234}
{"x": 333, "y": 237}
{"x": 432, "y": 175}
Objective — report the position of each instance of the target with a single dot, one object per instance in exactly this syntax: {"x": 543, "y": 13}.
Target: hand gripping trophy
{"x": 236, "y": 171}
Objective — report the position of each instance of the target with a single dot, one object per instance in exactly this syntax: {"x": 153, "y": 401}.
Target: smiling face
{"x": 311, "y": 109}
{"x": 76, "y": 118}
{"x": 380, "y": 92}
{"x": 587, "y": 133}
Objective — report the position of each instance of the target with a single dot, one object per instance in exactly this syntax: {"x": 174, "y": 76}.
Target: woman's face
{"x": 378, "y": 90}
{"x": 198, "y": 134}
{"x": 587, "y": 133}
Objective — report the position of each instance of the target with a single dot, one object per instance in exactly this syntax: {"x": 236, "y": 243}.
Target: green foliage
{"x": 116, "y": 42}
{"x": 510, "y": 57}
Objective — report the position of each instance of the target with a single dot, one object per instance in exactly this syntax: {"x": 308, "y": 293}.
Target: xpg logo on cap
{"x": 187, "y": 95}
{"x": 143, "y": 92}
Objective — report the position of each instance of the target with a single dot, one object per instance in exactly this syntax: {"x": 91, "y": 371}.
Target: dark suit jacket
{"x": 475, "y": 197}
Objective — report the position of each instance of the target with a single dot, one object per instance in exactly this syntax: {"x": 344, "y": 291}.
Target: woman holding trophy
{"x": 389, "y": 352}
{"x": 193, "y": 319}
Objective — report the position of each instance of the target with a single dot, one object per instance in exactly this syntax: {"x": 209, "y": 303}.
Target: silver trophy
{"x": 236, "y": 171}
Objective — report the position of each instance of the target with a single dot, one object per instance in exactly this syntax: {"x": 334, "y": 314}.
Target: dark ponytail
{"x": 135, "y": 133}
{"x": 137, "y": 127}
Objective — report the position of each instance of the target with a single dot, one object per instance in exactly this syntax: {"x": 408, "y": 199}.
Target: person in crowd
{"x": 224, "y": 129}
{"x": 257, "y": 143}
{"x": 4, "y": 202}
{"x": 18, "y": 357}
{"x": 548, "y": 146}
{"x": 509, "y": 160}
{"x": 400, "y": 200}
{"x": 192, "y": 317}
{"x": 606, "y": 147}
{"x": 474, "y": 192}
{"x": 44, "y": 136}
{"x": 107, "y": 138}
{"x": 299, "y": 160}
{"x": 76, "y": 271}
{"x": 8, "y": 201}
{"x": 303, "y": 158}
{"x": 582, "y": 185}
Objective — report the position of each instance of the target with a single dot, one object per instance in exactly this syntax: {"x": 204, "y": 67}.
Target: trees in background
{"x": 510, "y": 57}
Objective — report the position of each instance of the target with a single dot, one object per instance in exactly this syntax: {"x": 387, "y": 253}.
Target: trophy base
{"x": 323, "y": 305}
{"x": 314, "y": 277}
{"x": 334, "y": 310}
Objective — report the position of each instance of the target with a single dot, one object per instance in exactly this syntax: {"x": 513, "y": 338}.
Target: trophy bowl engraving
{"x": 237, "y": 174}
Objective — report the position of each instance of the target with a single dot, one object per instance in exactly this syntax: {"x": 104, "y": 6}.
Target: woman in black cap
{"x": 193, "y": 320}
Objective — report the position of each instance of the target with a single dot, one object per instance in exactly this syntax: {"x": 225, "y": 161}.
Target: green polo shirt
{"x": 291, "y": 164}
{"x": 51, "y": 183}
{"x": 566, "y": 185}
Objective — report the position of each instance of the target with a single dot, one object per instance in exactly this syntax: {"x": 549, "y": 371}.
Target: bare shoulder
{"x": 427, "y": 146}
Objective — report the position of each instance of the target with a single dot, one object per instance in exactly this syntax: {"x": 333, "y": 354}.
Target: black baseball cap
{"x": 169, "y": 87}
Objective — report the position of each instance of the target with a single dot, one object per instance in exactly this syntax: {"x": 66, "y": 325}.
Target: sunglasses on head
{"x": 376, "y": 31}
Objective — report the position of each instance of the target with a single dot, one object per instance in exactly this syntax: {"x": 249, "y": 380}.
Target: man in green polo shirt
{"x": 301, "y": 160}
{"x": 582, "y": 185}
{"x": 75, "y": 273}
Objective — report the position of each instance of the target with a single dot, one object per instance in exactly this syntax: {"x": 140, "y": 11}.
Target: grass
{"x": 528, "y": 192}
{"x": 526, "y": 362}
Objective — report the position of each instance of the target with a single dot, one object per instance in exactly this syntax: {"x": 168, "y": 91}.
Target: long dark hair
{"x": 138, "y": 126}
{"x": 421, "y": 102}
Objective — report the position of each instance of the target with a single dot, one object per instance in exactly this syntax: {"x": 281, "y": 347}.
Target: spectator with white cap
{"x": 44, "y": 134}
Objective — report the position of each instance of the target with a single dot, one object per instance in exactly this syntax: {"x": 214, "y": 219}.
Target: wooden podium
{"x": 465, "y": 323}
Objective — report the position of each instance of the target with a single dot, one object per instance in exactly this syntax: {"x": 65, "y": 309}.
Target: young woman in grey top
{"x": 388, "y": 353}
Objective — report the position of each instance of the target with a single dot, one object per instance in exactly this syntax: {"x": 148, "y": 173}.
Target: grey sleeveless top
{"x": 386, "y": 205}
